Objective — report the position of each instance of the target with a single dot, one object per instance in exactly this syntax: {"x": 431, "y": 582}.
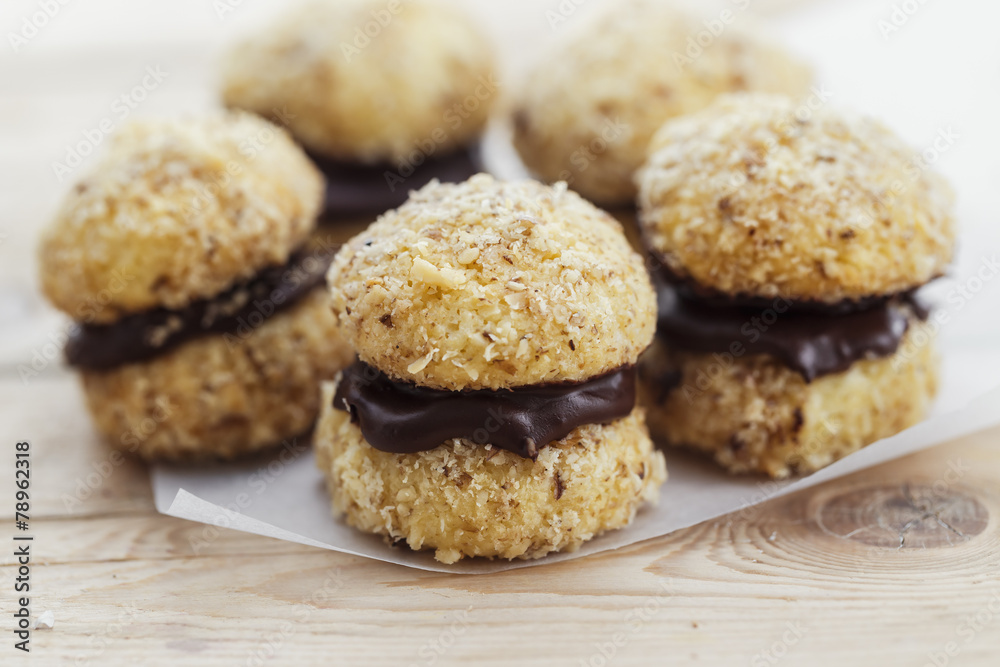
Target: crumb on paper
{"x": 45, "y": 621}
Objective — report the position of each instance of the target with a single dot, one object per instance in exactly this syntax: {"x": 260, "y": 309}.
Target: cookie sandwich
{"x": 203, "y": 329}
{"x": 588, "y": 114}
{"x": 383, "y": 96}
{"x": 491, "y": 410}
{"x": 790, "y": 244}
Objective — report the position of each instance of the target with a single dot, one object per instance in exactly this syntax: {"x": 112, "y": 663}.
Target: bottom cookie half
{"x": 221, "y": 396}
{"x": 753, "y": 414}
{"x": 462, "y": 499}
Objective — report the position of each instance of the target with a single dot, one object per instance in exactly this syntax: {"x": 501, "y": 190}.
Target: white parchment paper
{"x": 284, "y": 497}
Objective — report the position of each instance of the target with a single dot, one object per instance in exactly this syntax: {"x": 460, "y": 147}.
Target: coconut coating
{"x": 488, "y": 285}
{"x": 178, "y": 210}
{"x": 754, "y": 414}
{"x": 462, "y": 499}
{"x": 221, "y": 396}
{"x": 754, "y": 196}
{"x": 587, "y": 115}
{"x": 423, "y": 78}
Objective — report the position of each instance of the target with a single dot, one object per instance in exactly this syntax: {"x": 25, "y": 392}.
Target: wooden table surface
{"x": 898, "y": 565}
{"x": 886, "y": 567}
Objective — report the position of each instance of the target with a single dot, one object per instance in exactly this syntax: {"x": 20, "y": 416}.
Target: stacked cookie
{"x": 203, "y": 331}
{"x": 789, "y": 244}
{"x": 588, "y": 114}
{"x": 383, "y": 96}
{"x": 491, "y": 411}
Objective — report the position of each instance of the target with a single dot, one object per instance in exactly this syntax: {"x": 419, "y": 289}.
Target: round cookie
{"x": 464, "y": 499}
{"x": 587, "y": 115}
{"x": 489, "y": 285}
{"x": 176, "y": 211}
{"x": 222, "y": 396}
{"x": 762, "y": 196}
{"x": 753, "y": 414}
{"x": 366, "y": 80}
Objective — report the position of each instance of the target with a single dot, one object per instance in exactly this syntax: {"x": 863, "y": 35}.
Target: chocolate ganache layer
{"x": 690, "y": 289}
{"x": 355, "y": 189}
{"x": 404, "y": 418}
{"x": 809, "y": 341}
{"x": 237, "y": 311}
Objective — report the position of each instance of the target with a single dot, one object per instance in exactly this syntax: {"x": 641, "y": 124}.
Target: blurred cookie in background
{"x": 383, "y": 96}
{"x": 189, "y": 262}
{"x": 586, "y": 114}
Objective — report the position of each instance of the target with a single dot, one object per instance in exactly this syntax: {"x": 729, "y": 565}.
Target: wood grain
{"x": 899, "y": 565}
{"x": 799, "y": 577}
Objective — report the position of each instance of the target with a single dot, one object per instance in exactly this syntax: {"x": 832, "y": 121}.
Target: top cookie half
{"x": 367, "y": 80}
{"x": 586, "y": 115}
{"x": 177, "y": 211}
{"x": 765, "y": 196}
{"x": 490, "y": 285}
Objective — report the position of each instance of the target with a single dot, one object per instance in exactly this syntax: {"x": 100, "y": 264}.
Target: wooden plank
{"x": 724, "y": 592}
{"x": 74, "y": 473}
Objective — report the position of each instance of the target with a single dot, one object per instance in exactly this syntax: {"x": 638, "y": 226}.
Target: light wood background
{"x": 899, "y": 565}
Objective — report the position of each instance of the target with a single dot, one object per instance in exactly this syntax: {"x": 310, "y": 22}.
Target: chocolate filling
{"x": 237, "y": 311}
{"x": 807, "y": 341}
{"x": 404, "y": 418}
{"x": 354, "y": 189}
{"x": 689, "y": 289}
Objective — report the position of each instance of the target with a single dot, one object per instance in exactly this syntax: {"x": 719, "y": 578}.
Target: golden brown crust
{"x": 587, "y": 114}
{"x": 751, "y": 196}
{"x": 755, "y": 415}
{"x": 423, "y": 76}
{"x": 178, "y": 210}
{"x": 486, "y": 285}
{"x": 218, "y": 397}
{"x": 464, "y": 500}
